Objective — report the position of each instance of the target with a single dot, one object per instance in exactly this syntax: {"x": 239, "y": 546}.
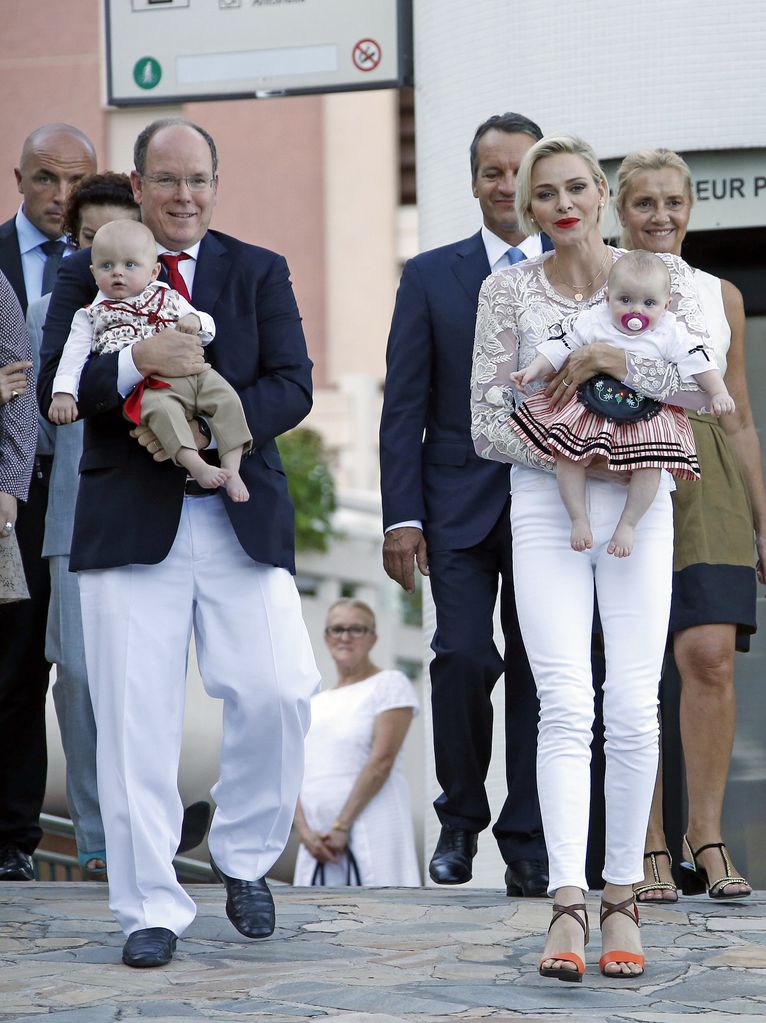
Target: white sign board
{"x": 173, "y": 51}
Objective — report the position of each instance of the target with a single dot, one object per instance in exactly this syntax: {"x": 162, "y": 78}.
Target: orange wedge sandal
{"x": 619, "y": 956}
{"x": 560, "y": 972}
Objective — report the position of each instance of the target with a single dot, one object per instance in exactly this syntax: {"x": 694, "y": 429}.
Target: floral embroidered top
{"x": 518, "y": 310}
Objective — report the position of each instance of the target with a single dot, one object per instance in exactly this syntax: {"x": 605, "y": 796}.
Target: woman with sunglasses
{"x": 354, "y": 795}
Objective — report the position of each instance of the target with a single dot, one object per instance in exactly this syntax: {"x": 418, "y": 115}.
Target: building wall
{"x": 687, "y": 74}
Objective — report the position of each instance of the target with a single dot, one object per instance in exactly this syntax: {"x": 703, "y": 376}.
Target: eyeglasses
{"x": 355, "y": 631}
{"x": 168, "y": 183}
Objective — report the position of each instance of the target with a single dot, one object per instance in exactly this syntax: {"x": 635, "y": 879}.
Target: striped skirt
{"x": 663, "y": 442}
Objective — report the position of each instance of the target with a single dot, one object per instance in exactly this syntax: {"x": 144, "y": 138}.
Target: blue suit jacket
{"x": 128, "y": 505}
{"x": 10, "y": 261}
{"x": 429, "y": 469}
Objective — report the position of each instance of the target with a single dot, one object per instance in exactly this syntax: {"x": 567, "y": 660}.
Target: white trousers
{"x": 253, "y": 653}
{"x": 554, "y": 593}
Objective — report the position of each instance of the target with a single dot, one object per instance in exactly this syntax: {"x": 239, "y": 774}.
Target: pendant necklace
{"x": 580, "y": 289}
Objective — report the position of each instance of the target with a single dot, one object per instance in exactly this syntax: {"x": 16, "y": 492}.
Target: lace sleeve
{"x": 495, "y": 357}
{"x": 661, "y": 380}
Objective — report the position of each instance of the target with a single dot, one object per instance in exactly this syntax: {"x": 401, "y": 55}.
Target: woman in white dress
{"x": 720, "y": 530}
{"x": 354, "y": 794}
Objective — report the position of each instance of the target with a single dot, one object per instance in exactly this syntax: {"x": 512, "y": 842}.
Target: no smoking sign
{"x": 366, "y": 55}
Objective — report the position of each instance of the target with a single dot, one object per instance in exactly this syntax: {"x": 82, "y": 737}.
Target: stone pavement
{"x": 370, "y": 956}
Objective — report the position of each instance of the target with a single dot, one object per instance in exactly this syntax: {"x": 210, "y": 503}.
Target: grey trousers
{"x": 71, "y": 697}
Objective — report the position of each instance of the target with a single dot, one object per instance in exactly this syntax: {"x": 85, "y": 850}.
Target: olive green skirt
{"x": 714, "y": 557}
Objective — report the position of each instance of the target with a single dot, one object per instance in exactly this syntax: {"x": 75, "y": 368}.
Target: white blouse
{"x": 519, "y": 309}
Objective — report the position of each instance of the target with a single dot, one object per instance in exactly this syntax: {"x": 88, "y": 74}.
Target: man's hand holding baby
{"x": 171, "y": 353}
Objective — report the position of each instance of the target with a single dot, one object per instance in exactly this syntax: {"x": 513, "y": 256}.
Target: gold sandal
{"x": 657, "y": 885}
{"x": 695, "y": 878}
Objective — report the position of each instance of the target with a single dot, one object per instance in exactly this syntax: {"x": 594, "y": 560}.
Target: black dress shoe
{"x": 528, "y": 878}
{"x": 453, "y": 856}
{"x": 15, "y": 865}
{"x": 249, "y": 905}
{"x": 194, "y": 826}
{"x": 153, "y": 946}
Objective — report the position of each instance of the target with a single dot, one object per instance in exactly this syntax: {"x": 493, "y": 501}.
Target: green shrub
{"x": 311, "y": 486}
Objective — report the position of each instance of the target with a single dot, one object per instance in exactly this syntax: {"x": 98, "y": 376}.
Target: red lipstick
{"x": 566, "y": 222}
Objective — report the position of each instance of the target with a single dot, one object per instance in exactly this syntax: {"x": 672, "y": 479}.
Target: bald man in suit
{"x": 53, "y": 158}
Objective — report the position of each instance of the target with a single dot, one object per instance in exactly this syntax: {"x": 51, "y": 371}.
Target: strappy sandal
{"x": 560, "y": 972}
{"x": 657, "y": 885}
{"x": 617, "y": 955}
{"x": 694, "y": 878}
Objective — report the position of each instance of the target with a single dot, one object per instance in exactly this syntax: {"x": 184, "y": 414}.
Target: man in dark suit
{"x": 447, "y": 510}
{"x": 158, "y": 557}
{"x": 53, "y": 158}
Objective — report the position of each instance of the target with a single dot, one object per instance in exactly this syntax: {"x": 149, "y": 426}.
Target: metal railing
{"x": 57, "y": 866}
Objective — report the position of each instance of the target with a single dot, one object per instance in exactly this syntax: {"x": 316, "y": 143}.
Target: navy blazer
{"x": 10, "y": 261}
{"x": 429, "y": 469}
{"x": 128, "y": 505}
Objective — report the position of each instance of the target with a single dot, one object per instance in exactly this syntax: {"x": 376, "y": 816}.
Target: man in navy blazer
{"x": 159, "y": 557}
{"x": 53, "y": 158}
{"x": 447, "y": 510}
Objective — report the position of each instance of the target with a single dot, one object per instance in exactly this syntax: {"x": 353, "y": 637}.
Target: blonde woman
{"x": 562, "y": 191}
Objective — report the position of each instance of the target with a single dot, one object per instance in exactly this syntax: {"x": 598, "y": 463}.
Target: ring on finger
{"x": 8, "y": 527}
{"x": 567, "y": 383}
{"x": 14, "y": 394}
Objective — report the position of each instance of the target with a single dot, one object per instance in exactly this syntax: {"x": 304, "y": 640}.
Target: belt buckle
{"x": 193, "y": 489}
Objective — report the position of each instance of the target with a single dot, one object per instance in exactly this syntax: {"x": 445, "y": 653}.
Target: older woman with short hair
{"x": 562, "y": 191}
{"x": 355, "y": 800}
{"x": 716, "y": 520}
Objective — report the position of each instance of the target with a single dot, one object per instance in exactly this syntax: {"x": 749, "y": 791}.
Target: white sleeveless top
{"x": 711, "y": 302}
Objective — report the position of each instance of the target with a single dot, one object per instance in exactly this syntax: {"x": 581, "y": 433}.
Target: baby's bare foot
{"x": 621, "y": 543}
{"x": 236, "y": 488}
{"x": 211, "y": 476}
{"x": 581, "y": 537}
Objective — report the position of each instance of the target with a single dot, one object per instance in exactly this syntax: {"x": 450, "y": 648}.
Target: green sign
{"x": 147, "y": 73}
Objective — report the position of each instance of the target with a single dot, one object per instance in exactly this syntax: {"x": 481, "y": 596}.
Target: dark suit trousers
{"x": 465, "y": 668}
{"x": 24, "y": 680}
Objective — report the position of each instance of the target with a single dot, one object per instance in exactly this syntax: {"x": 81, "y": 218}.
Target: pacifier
{"x": 634, "y": 321}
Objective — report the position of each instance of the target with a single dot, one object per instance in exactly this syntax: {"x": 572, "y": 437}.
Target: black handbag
{"x": 352, "y": 869}
{"x": 607, "y": 397}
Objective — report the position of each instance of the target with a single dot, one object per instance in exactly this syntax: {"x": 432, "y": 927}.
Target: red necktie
{"x": 176, "y": 281}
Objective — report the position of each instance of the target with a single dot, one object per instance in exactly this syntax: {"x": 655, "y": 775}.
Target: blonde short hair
{"x": 553, "y": 145}
{"x": 359, "y": 605}
{"x": 647, "y": 160}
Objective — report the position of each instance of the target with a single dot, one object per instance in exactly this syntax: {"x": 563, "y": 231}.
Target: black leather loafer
{"x": 453, "y": 856}
{"x": 194, "y": 826}
{"x": 526, "y": 878}
{"x": 152, "y": 946}
{"x": 249, "y": 904}
{"x": 15, "y": 865}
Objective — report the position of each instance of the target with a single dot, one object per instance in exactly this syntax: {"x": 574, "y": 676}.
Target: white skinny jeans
{"x": 554, "y": 595}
